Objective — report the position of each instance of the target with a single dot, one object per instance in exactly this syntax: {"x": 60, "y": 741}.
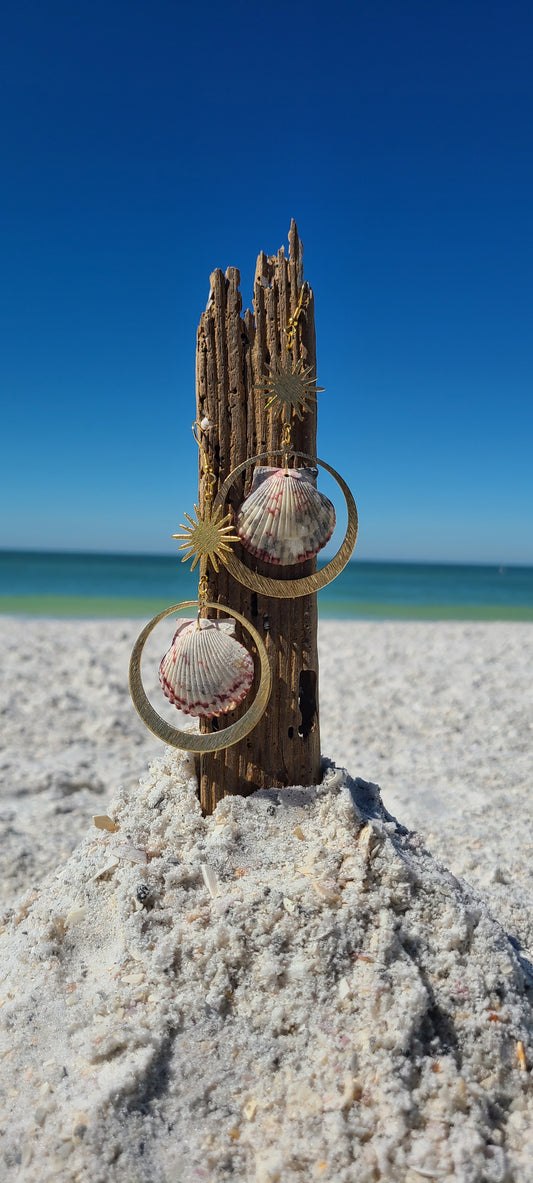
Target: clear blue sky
{"x": 145, "y": 144}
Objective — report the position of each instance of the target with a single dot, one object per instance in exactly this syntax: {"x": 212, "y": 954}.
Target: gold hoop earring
{"x": 306, "y": 584}
{"x": 192, "y": 741}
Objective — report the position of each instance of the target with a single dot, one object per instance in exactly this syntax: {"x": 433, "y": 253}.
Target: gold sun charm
{"x": 208, "y": 537}
{"x": 289, "y": 390}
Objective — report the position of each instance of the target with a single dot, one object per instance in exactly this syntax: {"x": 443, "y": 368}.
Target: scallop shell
{"x": 206, "y": 672}
{"x": 284, "y": 519}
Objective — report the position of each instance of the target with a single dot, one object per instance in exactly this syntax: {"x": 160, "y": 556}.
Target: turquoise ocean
{"x": 90, "y": 585}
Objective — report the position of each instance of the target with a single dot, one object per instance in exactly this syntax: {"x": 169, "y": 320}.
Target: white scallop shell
{"x": 206, "y": 672}
{"x": 284, "y": 519}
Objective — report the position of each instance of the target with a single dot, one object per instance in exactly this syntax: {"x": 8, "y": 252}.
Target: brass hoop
{"x": 307, "y": 584}
{"x": 192, "y": 741}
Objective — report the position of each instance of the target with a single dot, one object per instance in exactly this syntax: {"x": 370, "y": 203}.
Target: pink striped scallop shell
{"x": 206, "y": 672}
{"x": 284, "y": 519}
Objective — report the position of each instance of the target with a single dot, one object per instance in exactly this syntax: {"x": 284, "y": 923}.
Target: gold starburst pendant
{"x": 207, "y": 538}
{"x": 289, "y": 390}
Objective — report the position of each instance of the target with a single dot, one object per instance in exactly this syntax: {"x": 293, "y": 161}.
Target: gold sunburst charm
{"x": 289, "y": 390}
{"x": 208, "y": 537}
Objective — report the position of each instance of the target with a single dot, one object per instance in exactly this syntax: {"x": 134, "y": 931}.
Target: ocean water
{"x": 89, "y": 585}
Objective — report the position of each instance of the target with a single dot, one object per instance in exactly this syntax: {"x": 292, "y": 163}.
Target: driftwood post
{"x": 232, "y": 355}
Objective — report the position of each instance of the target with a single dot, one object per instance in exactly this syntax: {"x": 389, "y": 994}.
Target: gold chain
{"x": 286, "y": 433}
{"x": 203, "y": 590}
{"x": 286, "y": 443}
{"x": 210, "y": 479}
{"x": 293, "y": 320}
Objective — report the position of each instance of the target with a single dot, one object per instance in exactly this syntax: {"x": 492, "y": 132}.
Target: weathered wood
{"x": 232, "y": 355}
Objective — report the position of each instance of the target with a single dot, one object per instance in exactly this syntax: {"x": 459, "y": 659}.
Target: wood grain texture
{"x": 232, "y": 354}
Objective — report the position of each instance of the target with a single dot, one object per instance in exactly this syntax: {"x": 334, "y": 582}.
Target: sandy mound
{"x": 440, "y": 713}
{"x": 292, "y": 989}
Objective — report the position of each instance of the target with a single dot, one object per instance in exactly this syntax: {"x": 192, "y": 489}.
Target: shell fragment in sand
{"x": 103, "y": 822}
{"x": 327, "y": 890}
{"x": 210, "y": 880}
{"x": 76, "y": 915}
{"x": 107, "y": 867}
{"x": 133, "y": 853}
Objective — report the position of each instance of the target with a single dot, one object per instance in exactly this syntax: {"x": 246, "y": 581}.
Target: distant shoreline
{"x": 356, "y": 560}
{"x": 96, "y": 586}
{"x": 110, "y": 607}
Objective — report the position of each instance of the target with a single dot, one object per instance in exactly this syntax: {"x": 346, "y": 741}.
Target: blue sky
{"x": 146, "y": 144}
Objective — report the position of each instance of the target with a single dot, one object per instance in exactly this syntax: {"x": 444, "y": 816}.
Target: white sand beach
{"x": 296, "y": 988}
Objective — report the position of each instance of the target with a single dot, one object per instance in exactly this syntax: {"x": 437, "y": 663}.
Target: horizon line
{"x": 168, "y": 555}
